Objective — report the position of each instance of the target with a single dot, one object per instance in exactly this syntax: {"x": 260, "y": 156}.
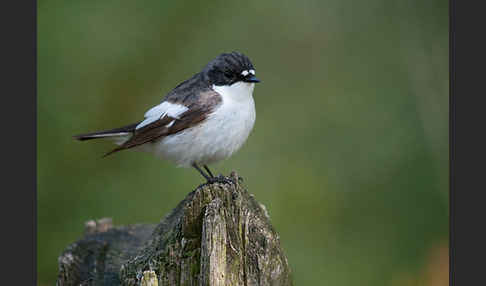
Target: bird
{"x": 203, "y": 120}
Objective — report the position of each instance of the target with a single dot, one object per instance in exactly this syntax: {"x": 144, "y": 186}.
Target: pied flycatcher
{"x": 203, "y": 120}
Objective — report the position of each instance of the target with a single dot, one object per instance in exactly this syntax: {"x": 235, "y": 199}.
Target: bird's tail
{"x": 117, "y": 132}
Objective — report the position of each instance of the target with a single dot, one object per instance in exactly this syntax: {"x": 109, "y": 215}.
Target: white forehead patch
{"x": 252, "y": 72}
{"x": 244, "y": 73}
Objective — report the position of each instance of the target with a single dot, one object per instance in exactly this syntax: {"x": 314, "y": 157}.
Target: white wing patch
{"x": 161, "y": 110}
{"x": 245, "y": 73}
{"x": 170, "y": 124}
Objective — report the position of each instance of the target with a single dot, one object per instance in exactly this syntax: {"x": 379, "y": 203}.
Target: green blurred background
{"x": 350, "y": 148}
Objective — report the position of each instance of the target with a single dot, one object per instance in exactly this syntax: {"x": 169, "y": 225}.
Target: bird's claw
{"x": 221, "y": 179}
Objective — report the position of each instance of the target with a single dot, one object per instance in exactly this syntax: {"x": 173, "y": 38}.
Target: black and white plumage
{"x": 203, "y": 120}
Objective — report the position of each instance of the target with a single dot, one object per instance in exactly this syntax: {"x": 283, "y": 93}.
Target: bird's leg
{"x": 220, "y": 178}
{"x": 209, "y": 171}
{"x": 212, "y": 179}
{"x": 201, "y": 171}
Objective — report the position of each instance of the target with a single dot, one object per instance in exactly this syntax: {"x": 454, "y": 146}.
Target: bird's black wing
{"x": 199, "y": 105}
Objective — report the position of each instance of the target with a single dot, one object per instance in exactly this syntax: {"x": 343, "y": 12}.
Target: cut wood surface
{"x": 218, "y": 235}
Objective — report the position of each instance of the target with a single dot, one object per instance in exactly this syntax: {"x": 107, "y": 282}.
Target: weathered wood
{"x": 218, "y": 235}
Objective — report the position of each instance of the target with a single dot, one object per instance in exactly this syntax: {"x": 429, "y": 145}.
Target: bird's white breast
{"x": 222, "y": 133}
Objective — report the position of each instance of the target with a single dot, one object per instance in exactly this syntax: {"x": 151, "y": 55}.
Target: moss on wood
{"x": 218, "y": 235}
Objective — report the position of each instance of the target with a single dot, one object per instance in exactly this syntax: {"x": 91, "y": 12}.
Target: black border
{"x": 467, "y": 143}
{"x": 18, "y": 209}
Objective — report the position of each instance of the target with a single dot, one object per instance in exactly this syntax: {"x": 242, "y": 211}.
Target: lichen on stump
{"x": 218, "y": 235}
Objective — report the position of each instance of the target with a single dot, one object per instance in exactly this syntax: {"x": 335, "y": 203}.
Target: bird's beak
{"x": 252, "y": 79}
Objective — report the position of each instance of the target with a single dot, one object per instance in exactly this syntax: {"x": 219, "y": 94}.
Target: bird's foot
{"x": 221, "y": 179}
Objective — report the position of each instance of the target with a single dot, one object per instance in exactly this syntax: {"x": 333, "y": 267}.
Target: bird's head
{"x": 229, "y": 68}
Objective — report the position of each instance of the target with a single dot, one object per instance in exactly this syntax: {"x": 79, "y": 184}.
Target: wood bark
{"x": 218, "y": 235}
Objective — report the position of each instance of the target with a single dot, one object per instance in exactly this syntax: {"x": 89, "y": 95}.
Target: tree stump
{"x": 218, "y": 235}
